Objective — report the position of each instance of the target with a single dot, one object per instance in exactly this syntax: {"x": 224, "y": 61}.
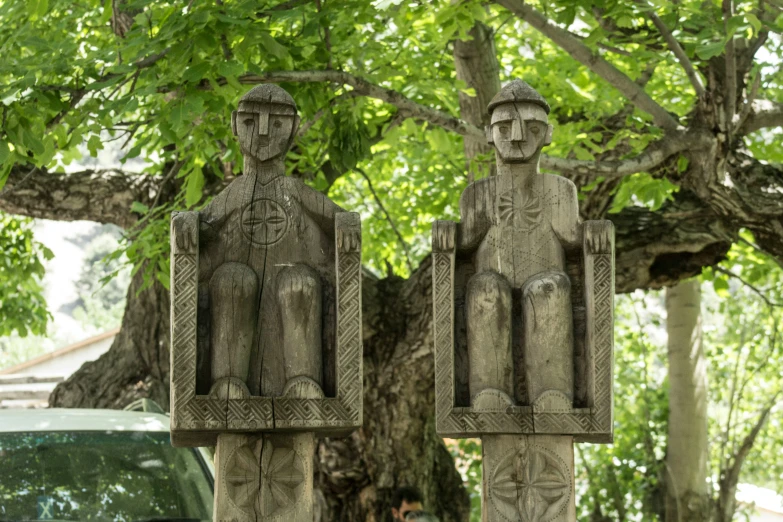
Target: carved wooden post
{"x": 522, "y": 297}
{"x": 266, "y": 323}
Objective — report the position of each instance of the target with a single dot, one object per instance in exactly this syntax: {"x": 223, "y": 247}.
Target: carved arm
{"x": 320, "y": 208}
{"x": 184, "y": 297}
{"x": 598, "y": 244}
{"x": 348, "y": 253}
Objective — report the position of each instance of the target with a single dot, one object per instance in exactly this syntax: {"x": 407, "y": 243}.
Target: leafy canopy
{"x": 22, "y": 304}
{"x": 160, "y": 79}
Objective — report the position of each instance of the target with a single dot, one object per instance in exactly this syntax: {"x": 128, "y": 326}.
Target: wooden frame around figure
{"x": 197, "y": 419}
{"x": 589, "y": 424}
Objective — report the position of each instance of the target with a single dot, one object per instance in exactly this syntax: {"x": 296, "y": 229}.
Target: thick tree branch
{"x": 365, "y": 88}
{"x": 764, "y": 114}
{"x": 595, "y": 63}
{"x": 731, "y": 67}
{"x": 748, "y": 105}
{"x": 104, "y": 196}
{"x": 655, "y": 154}
{"x": 675, "y": 47}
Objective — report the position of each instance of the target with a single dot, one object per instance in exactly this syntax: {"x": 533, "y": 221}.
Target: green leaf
{"x": 707, "y": 51}
{"x": 194, "y": 185}
{"x": 37, "y": 8}
{"x": 272, "y": 46}
{"x": 624, "y": 21}
{"x": 5, "y": 152}
{"x": 682, "y": 164}
{"x": 31, "y": 141}
{"x": 94, "y": 144}
{"x": 195, "y": 73}
{"x": 139, "y": 208}
{"x": 754, "y": 22}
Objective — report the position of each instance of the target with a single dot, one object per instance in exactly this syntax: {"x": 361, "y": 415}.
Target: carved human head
{"x": 265, "y": 122}
{"x": 519, "y": 126}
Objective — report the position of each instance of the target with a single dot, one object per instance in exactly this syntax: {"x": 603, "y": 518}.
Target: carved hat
{"x": 518, "y": 91}
{"x": 269, "y": 93}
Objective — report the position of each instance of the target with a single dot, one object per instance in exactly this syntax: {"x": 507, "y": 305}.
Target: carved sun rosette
{"x": 281, "y": 476}
{"x": 530, "y": 485}
{"x": 521, "y": 209}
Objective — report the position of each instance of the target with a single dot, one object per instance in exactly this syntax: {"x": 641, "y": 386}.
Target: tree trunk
{"x": 687, "y": 496}
{"x": 136, "y": 365}
{"x": 476, "y": 64}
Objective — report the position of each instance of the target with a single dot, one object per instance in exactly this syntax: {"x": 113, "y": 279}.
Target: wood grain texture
{"x": 528, "y": 478}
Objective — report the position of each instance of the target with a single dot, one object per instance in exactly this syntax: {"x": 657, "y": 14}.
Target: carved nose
{"x": 518, "y": 131}
{"x": 263, "y": 123}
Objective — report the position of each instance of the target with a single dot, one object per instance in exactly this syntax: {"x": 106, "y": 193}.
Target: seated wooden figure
{"x": 266, "y": 320}
{"x": 523, "y": 294}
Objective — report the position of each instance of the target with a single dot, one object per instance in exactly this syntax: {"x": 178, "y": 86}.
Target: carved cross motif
{"x": 531, "y": 483}
{"x": 264, "y": 221}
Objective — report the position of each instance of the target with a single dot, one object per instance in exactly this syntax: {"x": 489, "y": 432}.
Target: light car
{"x": 74, "y": 464}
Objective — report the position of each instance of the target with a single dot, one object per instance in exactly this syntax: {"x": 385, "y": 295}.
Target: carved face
{"x": 265, "y": 130}
{"x": 519, "y": 131}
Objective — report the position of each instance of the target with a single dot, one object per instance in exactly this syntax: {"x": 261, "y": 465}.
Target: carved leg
{"x": 549, "y": 341}
{"x": 488, "y": 307}
{"x": 299, "y": 295}
{"x": 233, "y": 294}
{"x": 264, "y": 477}
{"x": 528, "y": 477}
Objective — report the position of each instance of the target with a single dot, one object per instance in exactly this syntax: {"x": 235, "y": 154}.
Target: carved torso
{"x": 521, "y": 224}
{"x": 268, "y": 227}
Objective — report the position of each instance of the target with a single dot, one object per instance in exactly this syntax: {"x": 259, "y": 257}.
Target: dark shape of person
{"x": 405, "y": 500}
{"x": 420, "y": 516}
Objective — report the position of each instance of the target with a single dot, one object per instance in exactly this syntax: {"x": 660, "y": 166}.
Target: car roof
{"x": 67, "y": 419}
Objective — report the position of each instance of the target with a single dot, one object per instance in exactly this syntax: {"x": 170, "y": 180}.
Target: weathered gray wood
{"x": 264, "y": 477}
{"x": 528, "y": 478}
{"x": 233, "y": 292}
{"x": 535, "y": 298}
{"x": 266, "y": 285}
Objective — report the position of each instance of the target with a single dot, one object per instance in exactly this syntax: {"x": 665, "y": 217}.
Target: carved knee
{"x": 547, "y": 285}
{"x": 298, "y": 286}
{"x": 486, "y": 291}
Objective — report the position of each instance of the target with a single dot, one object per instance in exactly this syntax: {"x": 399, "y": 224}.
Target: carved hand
{"x": 444, "y": 236}
{"x": 598, "y": 236}
{"x": 349, "y": 239}
{"x": 184, "y": 226}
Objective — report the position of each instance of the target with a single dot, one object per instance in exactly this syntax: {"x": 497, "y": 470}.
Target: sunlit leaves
{"x": 22, "y": 305}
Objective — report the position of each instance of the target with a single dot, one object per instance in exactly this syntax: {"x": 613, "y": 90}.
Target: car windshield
{"x": 99, "y": 475}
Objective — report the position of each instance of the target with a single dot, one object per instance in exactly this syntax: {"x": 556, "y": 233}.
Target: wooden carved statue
{"x": 523, "y": 292}
{"x": 266, "y": 323}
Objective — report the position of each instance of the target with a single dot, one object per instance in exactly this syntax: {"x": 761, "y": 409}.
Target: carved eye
{"x": 277, "y": 123}
{"x": 503, "y": 129}
{"x": 535, "y": 130}
{"x": 249, "y": 121}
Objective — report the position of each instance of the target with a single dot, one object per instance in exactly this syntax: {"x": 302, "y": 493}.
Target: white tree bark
{"x": 687, "y": 455}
